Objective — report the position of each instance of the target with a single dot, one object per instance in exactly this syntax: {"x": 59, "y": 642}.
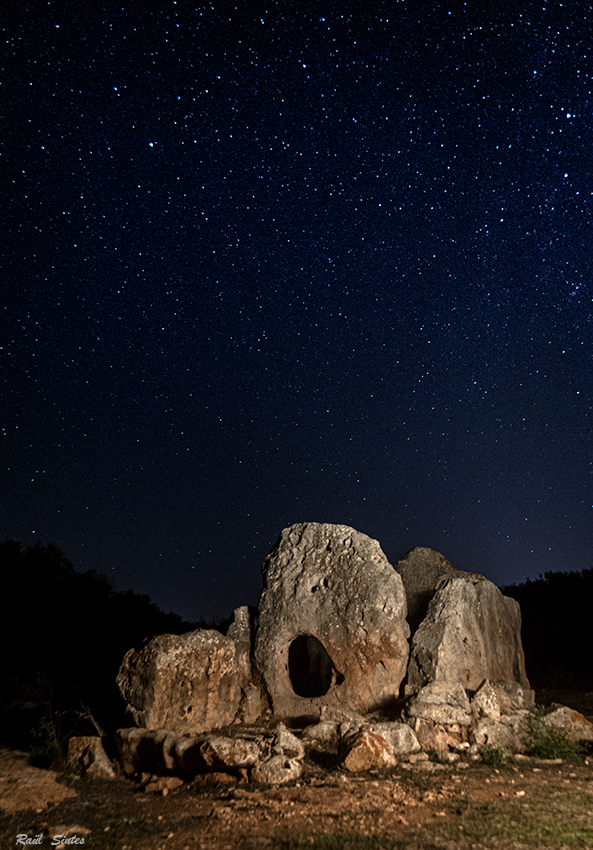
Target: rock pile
{"x": 339, "y": 634}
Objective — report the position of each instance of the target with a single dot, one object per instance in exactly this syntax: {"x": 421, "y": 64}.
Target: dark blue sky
{"x": 267, "y": 263}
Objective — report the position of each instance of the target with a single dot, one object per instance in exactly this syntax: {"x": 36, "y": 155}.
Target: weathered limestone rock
{"x": 508, "y": 734}
{"x": 400, "y": 736}
{"x": 287, "y": 744}
{"x": 437, "y": 736}
{"x": 484, "y": 702}
{"x": 325, "y": 732}
{"x": 364, "y": 750}
{"x": 163, "y": 785}
{"x": 277, "y": 770}
{"x": 158, "y": 751}
{"x": 471, "y": 632}
{"x": 576, "y": 725}
{"x": 252, "y": 705}
{"x": 162, "y": 752}
{"x": 441, "y": 702}
{"x": 184, "y": 683}
{"x": 421, "y": 570}
{"x": 240, "y": 632}
{"x": 221, "y": 753}
{"x": 332, "y": 622}
{"x": 512, "y": 697}
{"x": 342, "y": 717}
{"x": 87, "y": 756}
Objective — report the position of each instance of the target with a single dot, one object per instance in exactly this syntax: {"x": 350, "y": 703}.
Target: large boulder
{"x": 470, "y": 631}
{"x": 183, "y": 683}
{"x": 421, "y": 570}
{"x": 332, "y": 626}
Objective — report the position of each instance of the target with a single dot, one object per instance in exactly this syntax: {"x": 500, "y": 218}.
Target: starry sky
{"x": 275, "y": 262}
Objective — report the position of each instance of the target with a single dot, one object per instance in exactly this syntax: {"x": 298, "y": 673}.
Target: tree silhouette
{"x": 64, "y": 633}
{"x": 557, "y": 634}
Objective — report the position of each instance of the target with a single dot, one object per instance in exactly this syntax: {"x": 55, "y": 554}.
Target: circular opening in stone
{"x": 309, "y": 667}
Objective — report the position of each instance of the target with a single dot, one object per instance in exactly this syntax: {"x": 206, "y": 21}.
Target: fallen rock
{"x": 87, "y": 756}
{"x": 325, "y": 732}
{"x": 509, "y": 733}
{"x": 484, "y": 702}
{"x": 576, "y": 725}
{"x": 163, "y": 785}
{"x": 161, "y": 752}
{"x": 184, "y": 683}
{"x": 277, "y": 770}
{"x": 158, "y": 751}
{"x": 400, "y": 736}
{"x": 364, "y": 750}
{"x": 511, "y": 696}
{"x": 441, "y": 702}
{"x": 347, "y": 720}
{"x": 436, "y": 736}
{"x": 287, "y": 743}
{"x": 332, "y": 622}
{"x": 229, "y": 753}
{"x": 471, "y": 632}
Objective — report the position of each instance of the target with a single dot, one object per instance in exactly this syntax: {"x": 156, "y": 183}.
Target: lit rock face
{"x": 421, "y": 570}
{"x": 182, "y": 683}
{"x": 470, "y": 631}
{"x": 332, "y": 626}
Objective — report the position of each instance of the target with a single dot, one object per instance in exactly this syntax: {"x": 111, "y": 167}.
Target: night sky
{"x": 267, "y": 263}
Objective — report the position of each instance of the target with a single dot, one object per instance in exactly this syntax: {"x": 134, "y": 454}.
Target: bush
{"x": 549, "y": 742}
{"x": 48, "y": 747}
{"x": 493, "y": 756}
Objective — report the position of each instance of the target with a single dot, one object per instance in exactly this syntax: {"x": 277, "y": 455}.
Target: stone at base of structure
{"x": 456, "y": 724}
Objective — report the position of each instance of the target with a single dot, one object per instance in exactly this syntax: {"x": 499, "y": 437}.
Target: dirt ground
{"x": 526, "y": 803}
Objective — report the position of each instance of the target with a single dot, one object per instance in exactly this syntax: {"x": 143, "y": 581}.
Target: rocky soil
{"x": 525, "y": 803}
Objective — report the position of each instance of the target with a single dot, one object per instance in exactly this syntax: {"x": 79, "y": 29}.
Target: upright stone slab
{"x": 471, "y": 632}
{"x": 421, "y": 570}
{"x": 332, "y": 624}
{"x": 183, "y": 683}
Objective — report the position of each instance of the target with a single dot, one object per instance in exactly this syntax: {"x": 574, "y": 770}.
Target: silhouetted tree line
{"x": 64, "y": 634}
{"x": 557, "y": 628}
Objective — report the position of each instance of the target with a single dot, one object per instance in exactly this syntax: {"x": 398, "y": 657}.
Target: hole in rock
{"x": 309, "y": 667}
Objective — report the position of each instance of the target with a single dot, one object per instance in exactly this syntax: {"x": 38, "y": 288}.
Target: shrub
{"x": 493, "y": 756}
{"x": 549, "y": 742}
{"x": 47, "y": 746}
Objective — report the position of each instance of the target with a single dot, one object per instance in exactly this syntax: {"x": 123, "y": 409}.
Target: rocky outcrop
{"x": 421, "y": 570}
{"x": 332, "y": 622}
{"x": 330, "y": 641}
{"x": 471, "y": 632}
{"x": 184, "y": 683}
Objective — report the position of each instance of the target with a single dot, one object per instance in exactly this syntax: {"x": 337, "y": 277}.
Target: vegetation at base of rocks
{"x": 493, "y": 756}
{"x": 48, "y": 745}
{"x": 548, "y": 742}
{"x": 435, "y": 756}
